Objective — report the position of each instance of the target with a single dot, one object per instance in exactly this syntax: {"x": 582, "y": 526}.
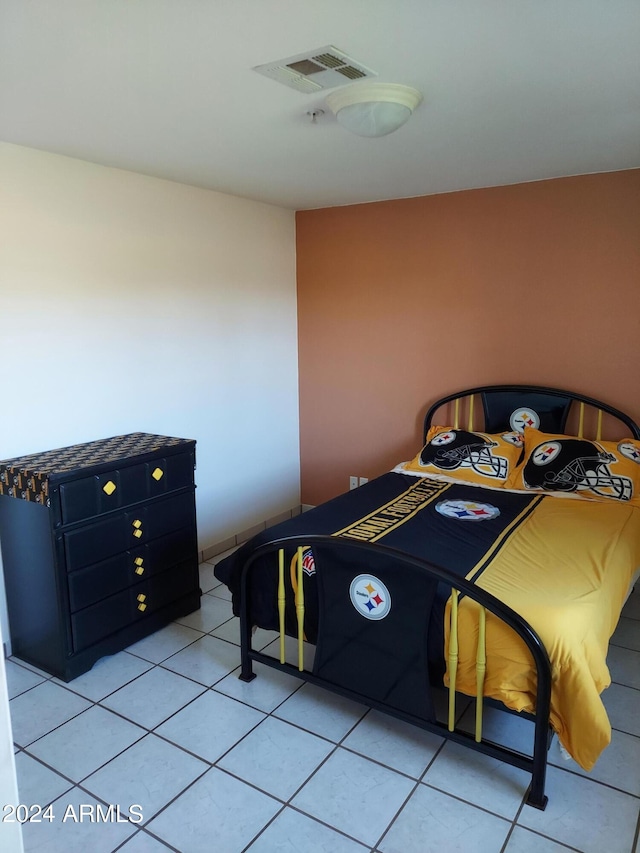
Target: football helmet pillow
{"x": 566, "y": 465}
{"x": 454, "y": 454}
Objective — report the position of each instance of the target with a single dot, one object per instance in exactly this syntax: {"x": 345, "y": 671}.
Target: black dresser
{"x": 99, "y": 547}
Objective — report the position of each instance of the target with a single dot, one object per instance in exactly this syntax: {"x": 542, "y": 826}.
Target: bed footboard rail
{"x": 377, "y": 617}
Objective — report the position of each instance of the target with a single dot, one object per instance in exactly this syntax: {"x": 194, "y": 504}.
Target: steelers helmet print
{"x": 574, "y": 464}
{"x": 458, "y": 448}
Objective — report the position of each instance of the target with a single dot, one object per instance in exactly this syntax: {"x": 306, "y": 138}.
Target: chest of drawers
{"x": 99, "y": 547}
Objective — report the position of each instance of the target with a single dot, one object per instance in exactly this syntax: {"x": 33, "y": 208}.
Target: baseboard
{"x": 233, "y": 541}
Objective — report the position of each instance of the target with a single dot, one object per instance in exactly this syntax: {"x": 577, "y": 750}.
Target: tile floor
{"x": 213, "y": 764}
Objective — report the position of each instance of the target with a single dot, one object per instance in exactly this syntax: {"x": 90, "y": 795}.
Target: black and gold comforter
{"x": 564, "y": 565}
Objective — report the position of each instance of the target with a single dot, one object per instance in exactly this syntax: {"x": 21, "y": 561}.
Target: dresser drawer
{"x": 102, "y": 493}
{"x": 101, "y": 540}
{"x": 121, "y": 487}
{"x": 100, "y": 580}
{"x": 170, "y": 473}
{"x": 94, "y": 623}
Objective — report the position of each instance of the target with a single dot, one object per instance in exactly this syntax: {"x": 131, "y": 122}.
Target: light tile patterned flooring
{"x": 220, "y": 766}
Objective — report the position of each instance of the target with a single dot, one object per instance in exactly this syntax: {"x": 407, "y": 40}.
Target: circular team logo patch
{"x": 443, "y": 438}
{"x": 522, "y": 418}
{"x": 545, "y": 453}
{"x": 370, "y": 597}
{"x": 467, "y": 510}
{"x": 628, "y": 449}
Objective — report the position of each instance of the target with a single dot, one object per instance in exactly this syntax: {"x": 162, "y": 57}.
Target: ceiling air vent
{"x": 323, "y": 68}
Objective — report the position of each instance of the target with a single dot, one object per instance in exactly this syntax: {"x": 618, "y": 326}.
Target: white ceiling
{"x": 514, "y": 90}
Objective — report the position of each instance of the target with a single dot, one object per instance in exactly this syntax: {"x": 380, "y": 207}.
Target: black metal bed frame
{"x": 347, "y": 640}
{"x": 420, "y": 579}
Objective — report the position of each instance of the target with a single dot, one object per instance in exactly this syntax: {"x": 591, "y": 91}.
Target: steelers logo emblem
{"x": 467, "y": 510}
{"x": 522, "y": 418}
{"x": 443, "y": 438}
{"x": 630, "y": 451}
{"x": 545, "y": 453}
{"x": 370, "y": 597}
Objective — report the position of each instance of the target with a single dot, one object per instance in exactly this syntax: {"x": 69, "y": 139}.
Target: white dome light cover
{"x": 373, "y": 109}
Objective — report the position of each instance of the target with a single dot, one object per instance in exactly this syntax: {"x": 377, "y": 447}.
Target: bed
{"x": 493, "y": 565}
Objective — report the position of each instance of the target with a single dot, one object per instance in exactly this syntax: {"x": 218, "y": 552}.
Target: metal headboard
{"x": 549, "y": 410}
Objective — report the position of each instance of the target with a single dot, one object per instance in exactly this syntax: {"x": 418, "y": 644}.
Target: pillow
{"x": 566, "y": 465}
{"x": 459, "y": 455}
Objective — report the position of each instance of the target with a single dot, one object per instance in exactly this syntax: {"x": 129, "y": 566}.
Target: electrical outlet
{"x": 362, "y": 480}
{"x": 353, "y": 482}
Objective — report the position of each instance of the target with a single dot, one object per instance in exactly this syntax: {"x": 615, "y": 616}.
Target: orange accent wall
{"x": 401, "y": 302}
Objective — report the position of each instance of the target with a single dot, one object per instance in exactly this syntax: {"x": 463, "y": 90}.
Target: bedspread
{"x": 564, "y": 565}
{"x": 566, "y": 570}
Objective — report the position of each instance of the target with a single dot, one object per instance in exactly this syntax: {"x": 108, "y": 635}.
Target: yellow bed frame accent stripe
{"x": 456, "y": 412}
{"x": 453, "y": 659}
{"x": 481, "y": 668}
{"x": 300, "y": 612}
{"x": 298, "y": 591}
{"x": 281, "y": 601}
{"x": 481, "y": 664}
{"x": 581, "y": 423}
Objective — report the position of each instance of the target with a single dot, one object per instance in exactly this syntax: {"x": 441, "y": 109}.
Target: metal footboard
{"x": 383, "y": 660}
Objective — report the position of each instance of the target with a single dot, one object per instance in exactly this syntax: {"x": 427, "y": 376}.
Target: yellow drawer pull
{"x": 140, "y": 570}
{"x": 142, "y": 597}
{"x": 142, "y": 607}
{"x": 109, "y": 487}
{"x": 157, "y": 474}
{"x": 137, "y": 533}
{"x": 139, "y": 561}
{"x": 137, "y": 523}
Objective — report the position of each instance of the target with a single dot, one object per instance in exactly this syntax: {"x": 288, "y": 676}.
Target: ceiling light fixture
{"x": 373, "y": 109}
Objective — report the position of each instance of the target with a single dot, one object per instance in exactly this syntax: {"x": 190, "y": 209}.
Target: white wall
{"x": 129, "y": 303}
{"x": 132, "y": 304}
